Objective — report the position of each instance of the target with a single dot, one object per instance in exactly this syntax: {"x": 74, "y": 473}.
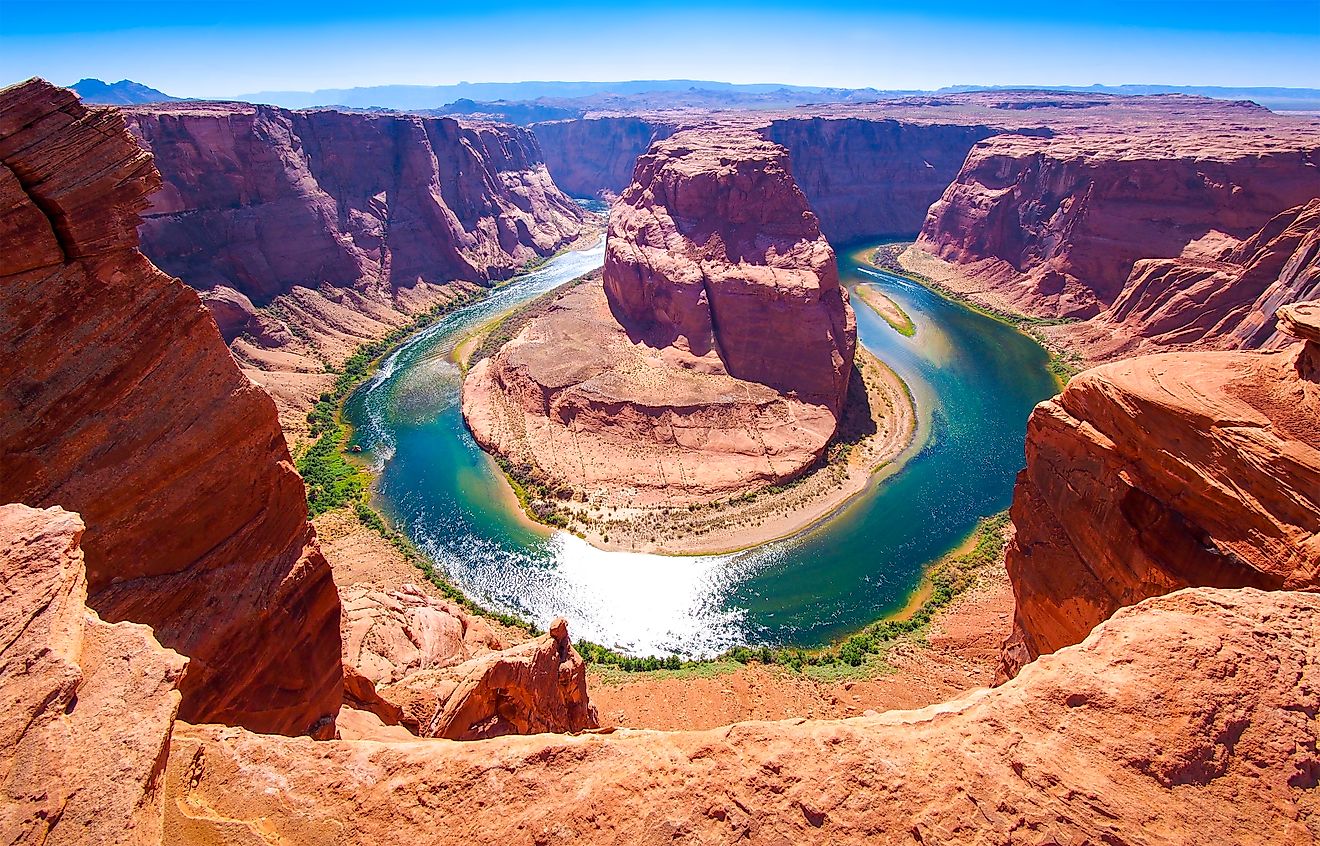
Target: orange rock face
{"x": 713, "y": 250}
{"x": 1165, "y": 471}
{"x": 1054, "y": 226}
{"x": 1180, "y": 718}
{"x": 596, "y": 156}
{"x": 1224, "y": 300}
{"x": 88, "y": 706}
{"x": 119, "y": 399}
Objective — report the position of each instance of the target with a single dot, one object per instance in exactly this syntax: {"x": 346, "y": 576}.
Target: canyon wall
{"x": 593, "y": 157}
{"x": 117, "y": 396}
{"x": 870, "y": 177}
{"x": 309, "y": 233}
{"x": 1054, "y": 226}
{"x": 1164, "y": 471}
{"x": 1227, "y": 299}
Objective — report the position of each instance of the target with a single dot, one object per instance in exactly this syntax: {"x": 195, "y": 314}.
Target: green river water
{"x": 974, "y": 381}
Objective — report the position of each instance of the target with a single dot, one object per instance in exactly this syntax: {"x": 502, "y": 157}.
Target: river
{"x": 974, "y": 381}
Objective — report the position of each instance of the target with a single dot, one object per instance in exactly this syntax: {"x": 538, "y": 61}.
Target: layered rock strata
{"x": 1160, "y": 472}
{"x": 88, "y": 706}
{"x": 1180, "y": 718}
{"x": 867, "y": 177}
{"x": 309, "y": 233}
{"x": 119, "y": 399}
{"x": 713, "y": 251}
{"x": 1225, "y": 300}
{"x": 595, "y": 157}
{"x": 1054, "y": 226}
{"x": 714, "y": 355}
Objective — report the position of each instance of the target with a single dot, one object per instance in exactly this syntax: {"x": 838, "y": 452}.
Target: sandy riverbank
{"x": 887, "y": 309}
{"x": 959, "y": 651}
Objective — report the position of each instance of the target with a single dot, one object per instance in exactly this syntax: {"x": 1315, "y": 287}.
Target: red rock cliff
{"x": 595, "y": 156}
{"x": 260, "y": 199}
{"x": 1226, "y": 299}
{"x": 714, "y": 249}
{"x": 1054, "y": 226}
{"x": 1180, "y": 720}
{"x": 1165, "y": 471}
{"x": 867, "y": 177}
{"x": 119, "y": 399}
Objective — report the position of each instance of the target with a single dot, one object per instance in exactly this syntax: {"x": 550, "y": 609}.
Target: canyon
{"x": 310, "y": 233}
{"x": 118, "y": 393}
{"x": 182, "y": 662}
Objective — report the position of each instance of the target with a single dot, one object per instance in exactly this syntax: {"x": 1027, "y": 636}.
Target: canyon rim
{"x": 657, "y": 460}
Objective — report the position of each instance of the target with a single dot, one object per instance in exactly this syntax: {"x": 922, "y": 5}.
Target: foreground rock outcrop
{"x": 441, "y": 672}
{"x": 88, "y": 706}
{"x": 119, "y": 399}
{"x": 1182, "y": 718}
{"x": 310, "y": 232}
{"x": 1161, "y": 472}
{"x": 714, "y": 355}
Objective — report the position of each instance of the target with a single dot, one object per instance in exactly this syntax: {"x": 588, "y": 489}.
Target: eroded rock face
{"x": 713, "y": 250}
{"x": 1181, "y": 717}
{"x": 595, "y": 156}
{"x": 88, "y": 706}
{"x": 1224, "y": 300}
{"x": 119, "y": 399}
{"x": 263, "y": 200}
{"x": 1054, "y": 226}
{"x": 310, "y": 233}
{"x": 535, "y": 687}
{"x": 1152, "y": 474}
{"x": 712, "y": 358}
{"x": 870, "y": 177}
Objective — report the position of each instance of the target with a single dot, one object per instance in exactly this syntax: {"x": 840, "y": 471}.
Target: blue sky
{"x": 242, "y": 46}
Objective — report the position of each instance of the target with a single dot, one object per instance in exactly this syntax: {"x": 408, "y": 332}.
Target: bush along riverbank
{"x": 335, "y": 481}
{"x": 1063, "y": 364}
{"x": 945, "y": 581}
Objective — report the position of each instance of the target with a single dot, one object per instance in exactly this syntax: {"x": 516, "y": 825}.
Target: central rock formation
{"x": 713, "y": 251}
{"x": 717, "y": 356}
{"x": 1166, "y": 471}
{"x": 118, "y": 399}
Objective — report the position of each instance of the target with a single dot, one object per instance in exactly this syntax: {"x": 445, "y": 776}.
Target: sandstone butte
{"x": 311, "y": 232}
{"x": 714, "y": 357}
{"x": 1164, "y": 471}
{"x": 119, "y": 399}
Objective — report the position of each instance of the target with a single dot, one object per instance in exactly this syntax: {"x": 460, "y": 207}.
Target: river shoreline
{"x": 485, "y": 504}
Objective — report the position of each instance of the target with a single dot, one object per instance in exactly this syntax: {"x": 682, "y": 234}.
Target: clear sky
{"x": 215, "y": 49}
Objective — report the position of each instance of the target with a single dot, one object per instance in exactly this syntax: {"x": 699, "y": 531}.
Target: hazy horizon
{"x": 244, "y": 47}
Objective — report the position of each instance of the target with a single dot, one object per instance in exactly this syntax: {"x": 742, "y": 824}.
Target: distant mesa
{"x": 125, "y": 92}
